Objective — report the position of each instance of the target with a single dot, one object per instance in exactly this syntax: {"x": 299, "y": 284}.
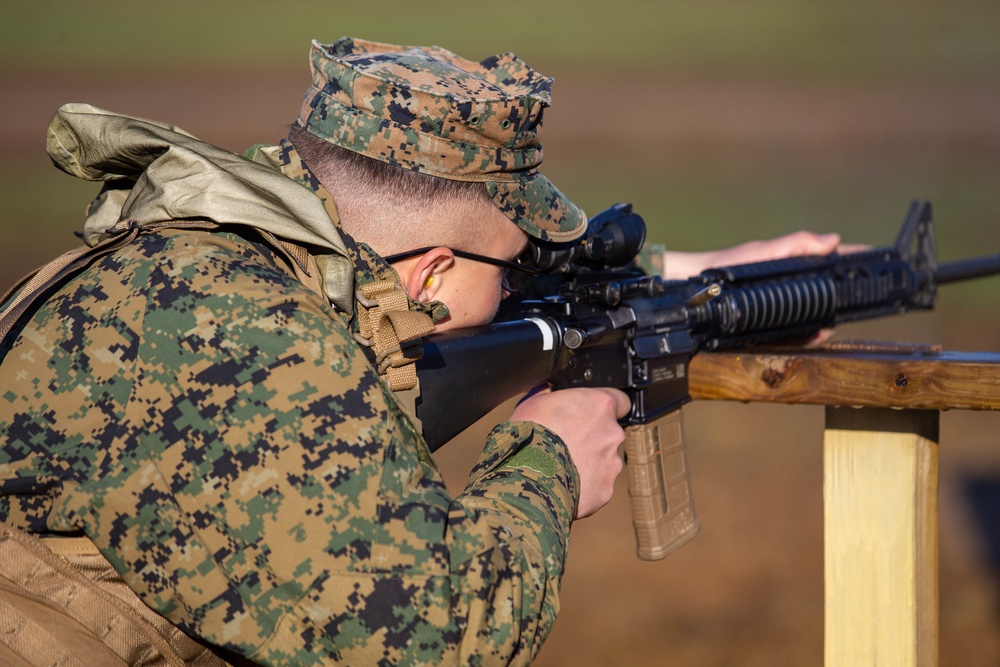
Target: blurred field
{"x": 722, "y": 122}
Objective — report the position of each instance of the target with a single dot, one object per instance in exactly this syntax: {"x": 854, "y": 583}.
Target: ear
{"x": 425, "y": 278}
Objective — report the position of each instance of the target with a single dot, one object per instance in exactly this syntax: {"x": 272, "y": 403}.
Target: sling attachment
{"x": 392, "y": 330}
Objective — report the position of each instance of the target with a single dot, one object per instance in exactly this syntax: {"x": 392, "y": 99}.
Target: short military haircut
{"x": 319, "y": 154}
{"x": 364, "y": 188}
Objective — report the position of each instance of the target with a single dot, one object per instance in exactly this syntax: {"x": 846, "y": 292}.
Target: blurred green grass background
{"x": 697, "y": 185}
{"x": 722, "y": 122}
{"x": 856, "y": 39}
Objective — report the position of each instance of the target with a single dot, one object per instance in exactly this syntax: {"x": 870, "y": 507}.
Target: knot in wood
{"x": 772, "y": 377}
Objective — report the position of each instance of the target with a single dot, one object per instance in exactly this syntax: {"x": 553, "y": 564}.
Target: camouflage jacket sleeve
{"x": 214, "y": 428}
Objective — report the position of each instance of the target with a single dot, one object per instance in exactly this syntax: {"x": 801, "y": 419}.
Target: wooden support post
{"x": 880, "y": 478}
{"x": 881, "y": 537}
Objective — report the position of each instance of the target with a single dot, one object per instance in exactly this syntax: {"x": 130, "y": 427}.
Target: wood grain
{"x": 880, "y": 476}
{"x": 863, "y": 375}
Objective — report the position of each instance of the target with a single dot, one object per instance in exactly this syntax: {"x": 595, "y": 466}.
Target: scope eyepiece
{"x": 613, "y": 238}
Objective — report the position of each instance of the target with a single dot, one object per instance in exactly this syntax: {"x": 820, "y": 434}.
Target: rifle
{"x": 603, "y": 322}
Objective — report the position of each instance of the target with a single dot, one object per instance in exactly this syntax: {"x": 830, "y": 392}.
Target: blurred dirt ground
{"x": 749, "y": 589}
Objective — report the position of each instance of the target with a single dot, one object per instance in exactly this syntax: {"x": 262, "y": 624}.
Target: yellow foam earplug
{"x": 428, "y": 282}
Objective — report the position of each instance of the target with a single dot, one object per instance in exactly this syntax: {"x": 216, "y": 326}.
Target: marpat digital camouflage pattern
{"x": 214, "y": 428}
{"x": 426, "y": 109}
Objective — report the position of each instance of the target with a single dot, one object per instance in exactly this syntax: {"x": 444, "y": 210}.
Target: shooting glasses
{"x": 515, "y": 277}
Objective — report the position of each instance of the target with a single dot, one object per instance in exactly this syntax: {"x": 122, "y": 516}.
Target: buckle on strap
{"x": 393, "y": 330}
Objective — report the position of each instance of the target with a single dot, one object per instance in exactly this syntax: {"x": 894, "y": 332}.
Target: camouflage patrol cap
{"x": 426, "y": 109}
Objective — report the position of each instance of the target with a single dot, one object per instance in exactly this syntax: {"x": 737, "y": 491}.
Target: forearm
{"x": 682, "y": 265}
{"x": 518, "y": 506}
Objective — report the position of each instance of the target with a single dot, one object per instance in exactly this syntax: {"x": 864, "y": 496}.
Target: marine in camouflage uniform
{"x": 212, "y": 424}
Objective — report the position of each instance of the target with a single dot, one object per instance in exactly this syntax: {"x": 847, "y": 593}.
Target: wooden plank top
{"x": 851, "y": 374}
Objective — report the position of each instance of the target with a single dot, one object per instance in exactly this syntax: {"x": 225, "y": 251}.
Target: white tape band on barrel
{"x": 548, "y": 339}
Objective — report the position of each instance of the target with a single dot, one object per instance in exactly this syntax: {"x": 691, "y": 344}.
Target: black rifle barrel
{"x": 966, "y": 269}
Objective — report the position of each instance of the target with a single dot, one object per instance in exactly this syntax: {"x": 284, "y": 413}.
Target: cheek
{"x": 487, "y": 304}
{"x": 472, "y": 304}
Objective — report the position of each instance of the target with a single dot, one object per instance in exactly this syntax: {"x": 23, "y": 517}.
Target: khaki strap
{"x": 303, "y": 263}
{"x": 39, "y": 590}
{"x": 394, "y": 331}
{"x": 70, "y": 546}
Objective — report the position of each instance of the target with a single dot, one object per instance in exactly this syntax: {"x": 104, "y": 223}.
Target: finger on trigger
{"x": 622, "y": 403}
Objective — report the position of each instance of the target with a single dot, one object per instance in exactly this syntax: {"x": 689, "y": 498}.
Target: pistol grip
{"x": 659, "y": 486}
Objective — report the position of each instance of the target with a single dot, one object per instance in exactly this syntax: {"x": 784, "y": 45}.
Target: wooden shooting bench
{"x": 880, "y": 477}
